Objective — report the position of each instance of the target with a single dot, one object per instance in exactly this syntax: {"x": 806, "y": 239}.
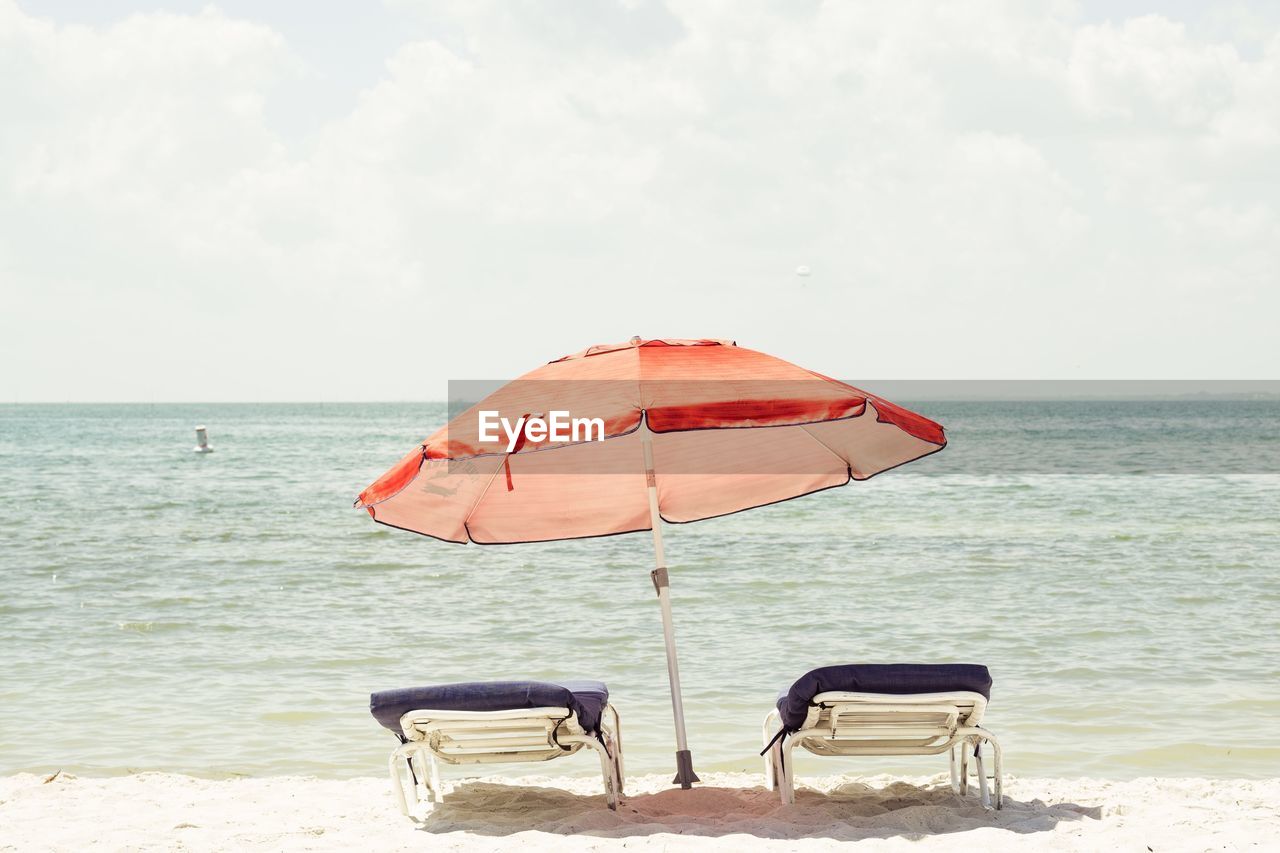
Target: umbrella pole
{"x": 685, "y": 776}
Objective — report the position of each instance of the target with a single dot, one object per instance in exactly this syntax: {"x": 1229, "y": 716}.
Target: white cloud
{"x": 982, "y": 189}
{"x": 1148, "y": 68}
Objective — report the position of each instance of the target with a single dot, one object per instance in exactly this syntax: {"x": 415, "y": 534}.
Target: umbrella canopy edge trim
{"x": 360, "y": 503}
{"x": 850, "y": 478}
{"x": 483, "y": 543}
{"x": 643, "y": 421}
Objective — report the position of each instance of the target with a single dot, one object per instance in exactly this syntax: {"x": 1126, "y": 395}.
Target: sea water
{"x": 1115, "y": 564}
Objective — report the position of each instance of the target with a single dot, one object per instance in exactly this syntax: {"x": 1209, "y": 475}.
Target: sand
{"x": 729, "y": 811}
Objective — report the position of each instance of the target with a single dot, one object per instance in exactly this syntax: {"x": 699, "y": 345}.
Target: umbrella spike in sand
{"x": 691, "y": 429}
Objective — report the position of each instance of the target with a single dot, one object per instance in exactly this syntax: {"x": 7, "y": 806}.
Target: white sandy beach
{"x": 160, "y": 811}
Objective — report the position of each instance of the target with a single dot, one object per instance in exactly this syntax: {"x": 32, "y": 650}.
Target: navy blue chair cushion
{"x": 895, "y": 678}
{"x": 585, "y": 698}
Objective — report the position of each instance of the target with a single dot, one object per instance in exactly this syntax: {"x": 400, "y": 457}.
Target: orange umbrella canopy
{"x": 731, "y": 429}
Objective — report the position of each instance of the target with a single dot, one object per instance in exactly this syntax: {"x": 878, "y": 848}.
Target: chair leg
{"x": 785, "y": 770}
{"x": 779, "y": 771}
{"x": 771, "y": 765}
{"x": 997, "y": 768}
{"x": 774, "y": 772}
{"x": 615, "y": 764}
{"x": 426, "y": 790}
{"x": 964, "y": 769}
{"x": 614, "y": 749}
{"x": 955, "y": 771}
{"x": 433, "y": 774}
{"x": 984, "y": 795}
{"x": 608, "y": 771}
{"x": 397, "y": 780}
{"x": 610, "y": 778}
{"x": 619, "y": 768}
{"x": 769, "y": 781}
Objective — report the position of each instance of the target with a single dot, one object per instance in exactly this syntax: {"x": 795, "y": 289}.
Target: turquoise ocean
{"x": 1116, "y": 564}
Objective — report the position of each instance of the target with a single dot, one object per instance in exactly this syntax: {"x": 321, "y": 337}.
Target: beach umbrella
{"x": 619, "y": 438}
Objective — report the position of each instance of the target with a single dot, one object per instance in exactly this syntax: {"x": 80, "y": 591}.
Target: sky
{"x": 362, "y": 201}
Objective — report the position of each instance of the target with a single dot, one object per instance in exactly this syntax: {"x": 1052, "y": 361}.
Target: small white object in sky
{"x": 802, "y": 271}
{"x": 202, "y": 441}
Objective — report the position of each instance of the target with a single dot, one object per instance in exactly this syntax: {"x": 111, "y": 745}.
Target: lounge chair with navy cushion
{"x": 884, "y": 709}
{"x": 495, "y": 721}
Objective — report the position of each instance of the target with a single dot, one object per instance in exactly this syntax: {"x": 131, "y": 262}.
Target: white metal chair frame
{"x": 886, "y": 724}
{"x": 484, "y": 737}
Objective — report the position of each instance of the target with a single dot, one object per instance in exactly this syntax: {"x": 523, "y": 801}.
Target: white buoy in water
{"x": 803, "y": 271}
{"x": 202, "y": 441}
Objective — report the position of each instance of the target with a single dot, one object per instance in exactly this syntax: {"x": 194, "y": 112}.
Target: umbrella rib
{"x": 466, "y": 521}
{"x": 847, "y": 465}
